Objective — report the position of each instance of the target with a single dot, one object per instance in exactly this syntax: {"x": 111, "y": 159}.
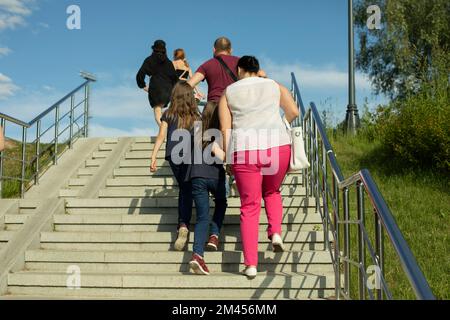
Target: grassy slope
{"x": 420, "y": 202}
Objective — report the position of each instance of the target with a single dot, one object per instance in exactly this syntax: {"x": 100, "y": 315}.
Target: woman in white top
{"x": 259, "y": 149}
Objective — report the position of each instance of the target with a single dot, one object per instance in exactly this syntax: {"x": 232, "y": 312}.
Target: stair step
{"x": 87, "y": 172}
{"x": 160, "y": 268}
{"x": 143, "y": 155}
{"x": 111, "y": 141}
{"x": 94, "y": 163}
{"x": 170, "y": 203}
{"x": 164, "y": 237}
{"x": 173, "y": 294}
{"x": 297, "y": 258}
{"x": 159, "y": 228}
{"x": 161, "y": 219}
{"x": 132, "y": 192}
{"x": 140, "y": 172}
{"x": 17, "y": 218}
{"x": 175, "y": 281}
{"x": 298, "y": 246}
{"x": 78, "y": 182}
{"x": 170, "y": 181}
{"x": 68, "y": 193}
{"x": 106, "y": 147}
{"x": 145, "y": 147}
{"x": 145, "y": 163}
{"x": 136, "y": 210}
{"x": 145, "y": 140}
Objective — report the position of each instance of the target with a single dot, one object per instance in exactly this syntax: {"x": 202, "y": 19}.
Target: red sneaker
{"x": 213, "y": 243}
{"x": 198, "y": 265}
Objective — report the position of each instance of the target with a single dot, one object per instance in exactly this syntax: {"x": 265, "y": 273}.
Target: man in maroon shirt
{"x": 216, "y": 75}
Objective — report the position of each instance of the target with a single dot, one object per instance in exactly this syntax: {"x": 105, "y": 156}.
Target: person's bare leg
{"x": 158, "y": 115}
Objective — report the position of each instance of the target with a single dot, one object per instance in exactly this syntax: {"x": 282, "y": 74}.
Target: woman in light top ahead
{"x": 183, "y": 69}
{"x": 260, "y": 152}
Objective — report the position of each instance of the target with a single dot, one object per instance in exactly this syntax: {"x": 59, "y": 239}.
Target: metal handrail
{"x": 36, "y": 171}
{"x": 322, "y": 158}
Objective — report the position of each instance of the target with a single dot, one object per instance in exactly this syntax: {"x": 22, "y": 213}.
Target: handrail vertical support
{"x": 379, "y": 250}
{"x": 55, "y": 157}
{"x": 2, "y": 124}
{"x": 24, "y": 158}
{"x": 38, "y": 151}
{"x": 86, "y": 110}
{"x": 337, "y": 245}
{"x": 72, "y": 105}
{"x": 346, "y": 242}
{"x": 361, "y": 245}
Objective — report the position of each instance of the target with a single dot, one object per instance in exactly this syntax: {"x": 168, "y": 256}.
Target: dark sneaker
{"x": 180, "y": 243}
{"x": 198, "y": 265}
{"x": 213, "y": 243}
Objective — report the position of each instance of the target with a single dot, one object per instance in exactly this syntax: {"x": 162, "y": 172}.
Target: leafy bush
{"x": 417, "y": 129}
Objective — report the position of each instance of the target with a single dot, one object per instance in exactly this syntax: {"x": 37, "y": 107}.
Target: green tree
{"x": 411, "y": 48}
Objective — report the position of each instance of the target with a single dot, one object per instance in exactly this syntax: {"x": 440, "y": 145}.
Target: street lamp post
{"x": 352, "y": 120}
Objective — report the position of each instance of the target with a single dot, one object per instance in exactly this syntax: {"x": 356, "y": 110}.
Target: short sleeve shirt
{"x": 217, "y": 77}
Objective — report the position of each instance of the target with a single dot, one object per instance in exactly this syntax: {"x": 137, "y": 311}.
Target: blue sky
{"x": 40, "y": 58}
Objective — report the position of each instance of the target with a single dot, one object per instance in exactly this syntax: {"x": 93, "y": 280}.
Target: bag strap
{"x": 181, "y": 76}
{"x": 227, "y": 69}
{"x": 287, "y": 124}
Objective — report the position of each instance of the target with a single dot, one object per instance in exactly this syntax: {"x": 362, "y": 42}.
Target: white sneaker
{"x": 182, "y": 239}
{"x": 277, "y": 243}
{"x": 251, "y": 272}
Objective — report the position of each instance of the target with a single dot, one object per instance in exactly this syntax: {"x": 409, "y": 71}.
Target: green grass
{"x": 419, "y": 199}
{"x": 13, "y": 168}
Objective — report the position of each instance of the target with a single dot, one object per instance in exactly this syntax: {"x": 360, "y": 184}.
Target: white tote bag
{"x": 299, "y": 160}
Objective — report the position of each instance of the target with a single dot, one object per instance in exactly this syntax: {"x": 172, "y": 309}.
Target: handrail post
{"x": 337, "y": 251}
{"x": 379, "y": 247}
{"x": 2, "y": 124}
{"x": 305, "y": 171}
{"x": 24, "y": 153}
{"x": 311, "y": 155}
{"x": 38, "y": 151}
{"x": 316, "y": 167}
{"x": 55, "y": 156}
{"x": 72, "y": 104}
{"x": 346, "y": 242}
{"x": 361, "y": 245}
{"x": 325, "y": 196}
{"x": 86, "y": 110}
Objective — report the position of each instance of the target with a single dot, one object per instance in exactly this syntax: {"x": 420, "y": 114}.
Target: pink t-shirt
{"x": 216, "y": 76}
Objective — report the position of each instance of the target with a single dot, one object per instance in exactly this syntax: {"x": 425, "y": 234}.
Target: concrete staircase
{"x": 118, "y": 226}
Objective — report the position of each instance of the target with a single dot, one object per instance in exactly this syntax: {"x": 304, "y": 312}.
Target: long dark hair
{"x": 210, "y": 120}
{"x": 183, "y": 106}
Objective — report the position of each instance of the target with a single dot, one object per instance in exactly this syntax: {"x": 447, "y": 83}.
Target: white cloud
{"x": 4, "y": 51}
{"x": 15, "y": 6}
{"x": 7, "y": 87}
{"x": 313, "y": 78}
{"x": 13, "y": 13}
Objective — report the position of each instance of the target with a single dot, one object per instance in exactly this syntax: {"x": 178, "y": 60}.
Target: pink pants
{"x": 259, "y": 174}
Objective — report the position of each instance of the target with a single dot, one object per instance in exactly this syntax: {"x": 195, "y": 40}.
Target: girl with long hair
{"x": 207, "y": 177}
{"x": 181, "y": 115}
